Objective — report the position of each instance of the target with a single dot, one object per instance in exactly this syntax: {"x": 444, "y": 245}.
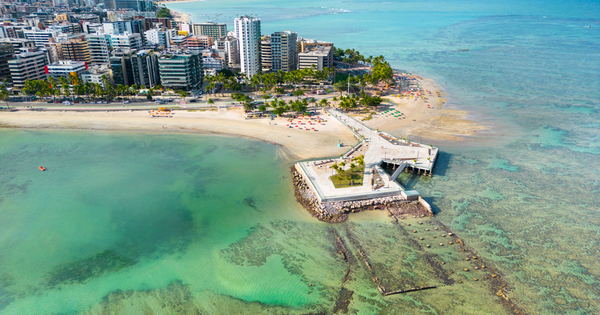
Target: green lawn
{"x": 356, "y": 178}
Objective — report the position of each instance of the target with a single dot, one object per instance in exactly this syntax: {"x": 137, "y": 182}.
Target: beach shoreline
{"x": 418, "y": 120}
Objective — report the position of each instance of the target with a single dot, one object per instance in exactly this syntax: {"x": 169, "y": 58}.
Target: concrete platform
{"x": 376, "y": 147}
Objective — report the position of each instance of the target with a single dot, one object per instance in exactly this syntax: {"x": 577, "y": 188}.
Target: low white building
{"x": 212, "y": 65}
{"x": 64, "y": 68}
{"x": 94, "y": 75}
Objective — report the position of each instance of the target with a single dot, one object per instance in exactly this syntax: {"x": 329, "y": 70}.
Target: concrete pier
{"x": 376, "y": 148}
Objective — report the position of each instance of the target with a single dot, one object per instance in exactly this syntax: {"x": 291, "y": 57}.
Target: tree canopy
{"x": 164, "y": 13}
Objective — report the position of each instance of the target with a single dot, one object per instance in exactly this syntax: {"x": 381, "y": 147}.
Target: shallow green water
{"x": 131, "y": 211}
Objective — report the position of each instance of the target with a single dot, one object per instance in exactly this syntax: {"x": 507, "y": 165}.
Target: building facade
{"x": 76, "y": 49}
{"x": 318, "y": 57}
{"x": 28, "y": 66}
{"x": 181, "y": 71}
{"x": 126, "y": 41}
{"x": 247, "y": 30}
{"x": 64, "y": 68}
{"x": 145, "y": 68}
{"x": 229, "y": 52}
{"x": 120, "y": 64}
{"x": 7, "y": 52}
{"x": 98, "y": 47}
{"x": 283, "y": 48}
{"x": 199, "y": 42}
{"x": 158, "y": 37}
{"x": 214, "y": 30}
{"x": 266, "y": 54}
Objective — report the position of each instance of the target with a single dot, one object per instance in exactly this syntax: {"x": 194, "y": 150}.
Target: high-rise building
{"x": 27, "y": 66}
{"x": 181, "y": 71}
{"x": 283, "y": 47}
{"x": 214, "y": 30}
{"x": 247, "y": 30}
{"x": 120, "y": 63}
{"x": 7, "y": 53}
{"x": 145, "y": 68}
{"x": 98, "y": 46}
{"x": 41, "y": 37}
{"x": 266, "y": 54}
{"x": 199, "y": 42}
{"x": 92, "y": 28}
{"x": 124, "y": 27}
{"x": 55, "y": 52}
{"x": 278, "y": 51}
{"x": 158, "y": 37}
{"x": 138, "y": 5}
{"x": 76, "y": 49}
{"x": 19, "y": 43}
{"x": 126, "y": 41}
{"x": 228, "y": 50}
{"x": 150, "y": 23}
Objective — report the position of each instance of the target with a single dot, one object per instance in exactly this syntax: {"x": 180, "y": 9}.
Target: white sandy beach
{"x": 296, "y": 144}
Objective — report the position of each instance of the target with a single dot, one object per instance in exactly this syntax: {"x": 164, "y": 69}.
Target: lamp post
{"x": 350, "y": 75}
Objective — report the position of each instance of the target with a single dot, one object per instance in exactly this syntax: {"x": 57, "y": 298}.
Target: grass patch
{"x": 348, "y": 178}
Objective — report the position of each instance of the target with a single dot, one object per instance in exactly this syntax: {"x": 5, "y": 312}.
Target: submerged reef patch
{"x": 81, "y": 270}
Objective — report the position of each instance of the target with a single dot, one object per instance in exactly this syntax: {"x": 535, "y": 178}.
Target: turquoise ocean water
{"x": 134, "y": 223}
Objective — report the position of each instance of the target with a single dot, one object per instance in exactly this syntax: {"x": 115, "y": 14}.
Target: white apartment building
{"x": 98, "y": 47}
{"x": 64, "y": 68}
{"x": 126, "y": 41}
{"x": 212, "y": 65}
{"x": 41, "y": 37}
{"x": 94, "y": 75}
{"x": 247, "y": 30}
{"x": 158, "y": 37}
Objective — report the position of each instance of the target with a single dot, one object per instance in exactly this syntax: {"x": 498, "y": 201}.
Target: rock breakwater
{"x": 335, "y": 212}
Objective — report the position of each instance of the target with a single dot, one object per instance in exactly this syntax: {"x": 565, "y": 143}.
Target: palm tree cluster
{"x": 73, "y": 85}
{"x": 266, "y": 82}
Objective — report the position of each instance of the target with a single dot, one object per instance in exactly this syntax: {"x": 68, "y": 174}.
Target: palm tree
{"x": 4, "y": 95}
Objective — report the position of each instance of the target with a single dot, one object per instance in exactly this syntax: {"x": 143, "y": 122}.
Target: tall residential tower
{"x": 247, "y": 30}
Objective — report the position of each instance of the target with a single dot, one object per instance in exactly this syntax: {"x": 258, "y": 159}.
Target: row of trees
{"x": 74, "y": 86}
{"x": 265, "y": 82}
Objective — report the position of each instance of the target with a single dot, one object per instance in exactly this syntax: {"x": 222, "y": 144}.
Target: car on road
{"x": 126, "y": 102}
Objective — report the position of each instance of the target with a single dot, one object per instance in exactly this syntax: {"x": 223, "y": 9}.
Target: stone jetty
{"x": 335, "y": 212}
